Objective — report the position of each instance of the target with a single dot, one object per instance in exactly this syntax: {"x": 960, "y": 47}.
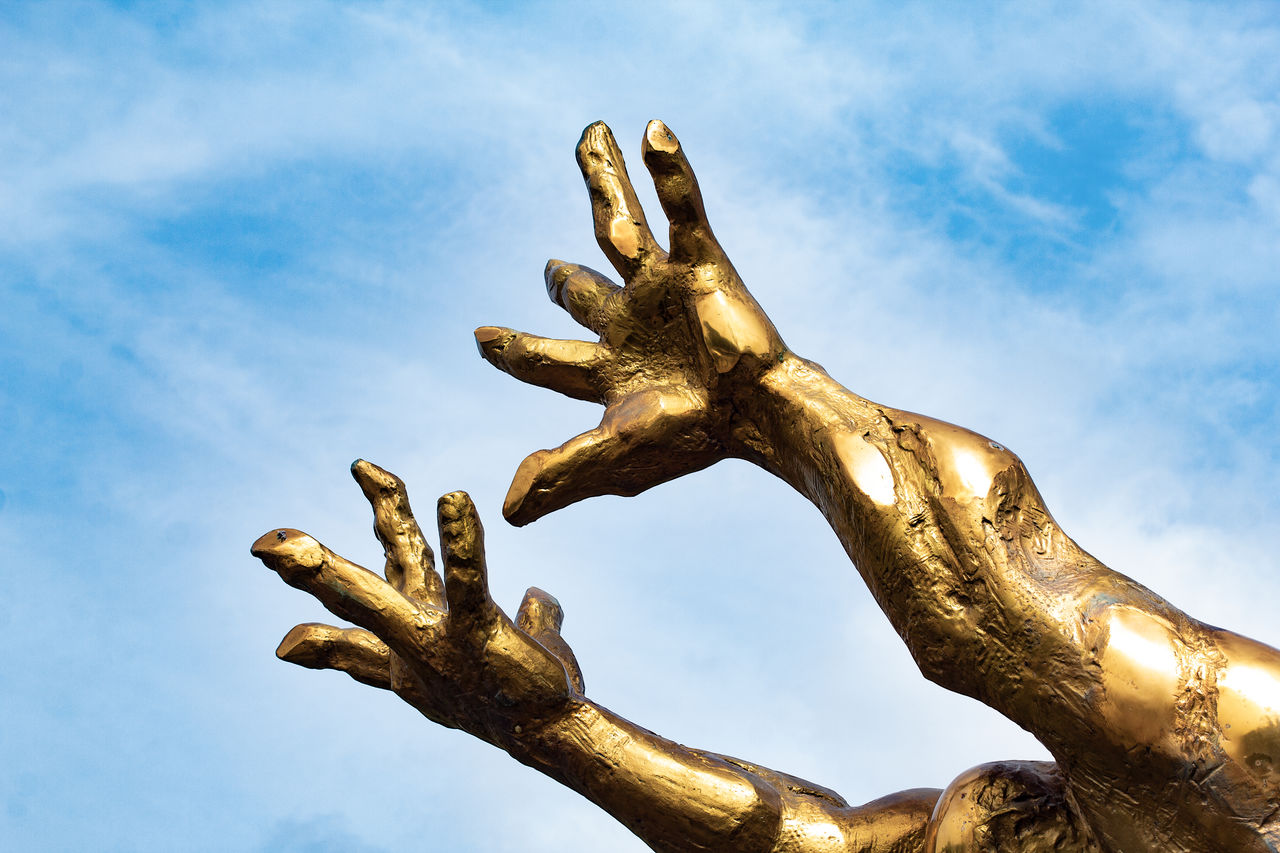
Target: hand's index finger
{"x": 466, "y": 578}
{"x": 677, "y": 188}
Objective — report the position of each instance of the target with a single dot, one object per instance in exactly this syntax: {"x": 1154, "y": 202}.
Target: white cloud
{"x": 694, "y": 610}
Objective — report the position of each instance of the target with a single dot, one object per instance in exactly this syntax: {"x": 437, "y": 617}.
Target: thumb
{"x": 644, "y": 439}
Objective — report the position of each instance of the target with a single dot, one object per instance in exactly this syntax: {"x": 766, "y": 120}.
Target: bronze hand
{"x": 677, "y": 343}
{"x": 443, "y": 646}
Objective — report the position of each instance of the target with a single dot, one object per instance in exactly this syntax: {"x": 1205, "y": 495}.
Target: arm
{"x": 938, "y": 520}
{"x": 1139, "y": 703}
{"x": 446, "y": 648}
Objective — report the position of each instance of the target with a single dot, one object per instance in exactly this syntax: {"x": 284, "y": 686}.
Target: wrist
{"x": 777, "y": 407}
{"x": 671, "y": 796}
{"x": 527, "y": 735}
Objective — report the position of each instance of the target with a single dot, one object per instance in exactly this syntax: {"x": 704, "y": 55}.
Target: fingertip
{"x": 363, "y": 472}
{"x": 554, "y": 274}
{"x": 592, "y": 135}
{"x": 294, "y": 647}
{"x": 283, "y": 541}
{"x": 491, "y": 339}
{"x": 511, "y": 507}
{"x": 539, "y": 594}
{"x": 516, "y": 507}
{"x": 455, "y": 505}
{"x": 374, "y": 478}
{"x": 291, "y": 554}
{"x": 488, "y": 334}
{"x": 541, "y": 610}
{"x": 461, "y": 533}
{"x": 658, "y": 137}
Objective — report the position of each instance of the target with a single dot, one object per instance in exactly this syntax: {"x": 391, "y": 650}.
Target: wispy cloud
{"x": 241, "y": 245}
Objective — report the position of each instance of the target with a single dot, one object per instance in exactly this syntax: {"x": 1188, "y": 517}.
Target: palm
{"x": 674, "y": 342}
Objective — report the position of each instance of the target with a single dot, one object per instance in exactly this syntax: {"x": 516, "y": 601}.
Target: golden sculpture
{"x": 1165, "y": 732}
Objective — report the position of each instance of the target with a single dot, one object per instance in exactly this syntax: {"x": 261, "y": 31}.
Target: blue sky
{"x": 243, "y": 244}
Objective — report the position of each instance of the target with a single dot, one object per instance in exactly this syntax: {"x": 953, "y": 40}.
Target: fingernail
{"x": 660, "y": 138}
{"x": 487, "y": 335}
{"x": 286, "y": 548}
{"x": 555, "y": 275}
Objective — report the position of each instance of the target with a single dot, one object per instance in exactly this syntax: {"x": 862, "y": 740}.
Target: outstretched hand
{"x": 675, "y": 342}
{"x": 442, "y": 645}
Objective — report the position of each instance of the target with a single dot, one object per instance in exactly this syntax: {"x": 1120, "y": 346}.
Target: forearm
{"x": 681, "y": 799}
{"x": 872, "y": 471}
{"x": 672, "y": 797}
{"x": 945, "y": 527}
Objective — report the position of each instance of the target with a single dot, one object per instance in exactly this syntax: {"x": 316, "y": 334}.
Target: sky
{"x": 243, "y": 244}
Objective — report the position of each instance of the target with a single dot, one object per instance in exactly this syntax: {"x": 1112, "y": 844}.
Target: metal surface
{"x": 1165, "y": 731}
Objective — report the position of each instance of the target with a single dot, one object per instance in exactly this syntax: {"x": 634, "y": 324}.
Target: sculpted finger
{"x": 570, "y": 367}
{"x": 466, "y": 577}
{"x": 621, "y": 230}
{"x": 345, "y": 589}
{"x": 410, "y": 562}
{"x": 540, "y": 616}
{"x": 645, "y": 439}
{"x": 583, "y": 292}
{"x": 539, "y": 613}
{"x": 677, "y": 188}
{"x": 354, "y": 651}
